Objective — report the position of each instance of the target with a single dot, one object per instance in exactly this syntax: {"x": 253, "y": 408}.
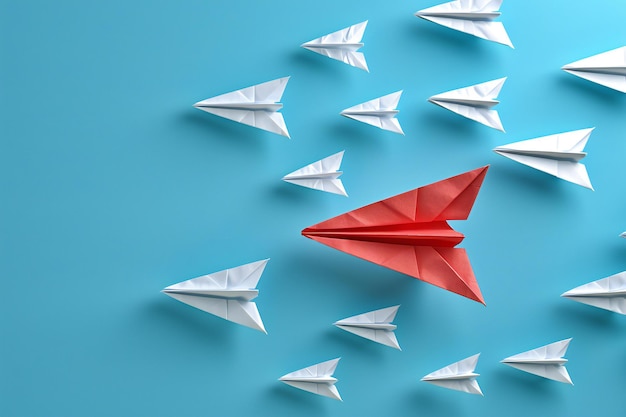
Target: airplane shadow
{"x": 347, "y": 342}
{"x": 189, "y": 324}
{"x": 281, "y": 399}
{"x": 445, "y": 38}
{"x": 224, "y": 132}
{"x": 525, "y": 177}
{"x": 523, "y": 383}
{"x": 428, "y": 403}
{"x": 446, "y": 125}
{"x": 592, "y": 317}
{"x": 590, "y": 89}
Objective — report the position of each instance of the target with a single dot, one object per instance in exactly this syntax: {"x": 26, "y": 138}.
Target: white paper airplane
{"x": 475, "y": 17}
{"x": 623, "y": 234}
{"x": 606, "y": 293}
{"x": 342, "y": 45}
{"x": 557, "y": 155}
{"x": 458, "y": 376}
{"x": 317, "y": 379}
{"x": 321, "y": 175}
{"x": 546, "y": 361}
{"x": 255, "y": 106}
{"x": 227, "y": 294}
{"x": 607, "y": 69}
{"x": 380, "y": 112}
{"x": 474, "y": 102}
{"x": 375, "y": 325}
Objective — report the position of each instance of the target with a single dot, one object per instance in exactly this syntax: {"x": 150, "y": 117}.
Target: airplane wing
{"x": 474, "y": 102}
{"x": 607, "y": 69}
{"x": 316, "y": 379}
{"x": 380, "y": 112}
{"x": 449, "y": 199}
{"x": 607, "y": 293}
{"x": 474, "y": 17}
{"x": 238, "y": 311}
{"x": 264, "y": 120}
{"x": 445, "y": 267}
{"x": 546, "y": 361}
{"x": 458, "y": 376}
{"x": 557, "y": 155}
{"x": 320, "y": 175}
{"x": 342, "y": 45}
{"x": 238, "y": 106}
{"x": 359, "y": 325}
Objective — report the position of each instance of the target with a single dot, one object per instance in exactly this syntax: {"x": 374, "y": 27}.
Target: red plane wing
{"x": 445, "y": 267}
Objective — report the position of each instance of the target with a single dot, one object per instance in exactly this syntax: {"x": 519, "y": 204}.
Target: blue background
{"x": 114, "y": 187}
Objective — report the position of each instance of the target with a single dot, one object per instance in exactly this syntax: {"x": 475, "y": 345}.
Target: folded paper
{"x": 342, "y": 45}
{"x": 557, "y": 155}
{"x": 409, "y": 233}
{"x": 255, "y": 106}
{"x": 227, "y": 294}
{"x": 546, "y": 361}
{"x": 607, "y": 69}
{"x": 375, "y": 325}
{"x": 458, "y": 376}
{"x": 380, "y": 112}
{"x": 606, "y": 293}
{"x": 317, "y": 379}
{"x": 321, "y": 175}
{"x": 475, "y": 17}
{"x": 474, "y": 102}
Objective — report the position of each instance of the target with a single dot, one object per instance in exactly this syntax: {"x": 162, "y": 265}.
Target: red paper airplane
{"x": 409, "y": 233}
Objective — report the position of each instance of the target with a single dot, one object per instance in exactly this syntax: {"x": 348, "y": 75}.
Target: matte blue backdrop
{"x": 114, "y": 187}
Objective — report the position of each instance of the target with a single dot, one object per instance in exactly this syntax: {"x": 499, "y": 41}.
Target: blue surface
{"x": 114, "y": 187}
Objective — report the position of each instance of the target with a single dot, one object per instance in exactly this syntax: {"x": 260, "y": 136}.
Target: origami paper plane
{"x": 607, "y": 69}
{"x": 458, "y": 376}
{"x": 546, "y": 361}
{"x": 255, "y": 106}
{"x": 475, "y": 17}
{"x": 380, "y": 112}
{"x": 623, "y": 234}
{"x": 227, "y": 294}
{"x": 317, "y": 379}
{"x": 606, "y": 293}
{"x": 342, "y": 45}
{"x": 557, "y": 155}
{"x": 375, "y": 325}
{"x": 409, "y": 233}
{"x": 474, "y": 102}
{"x": 321, "y": 175}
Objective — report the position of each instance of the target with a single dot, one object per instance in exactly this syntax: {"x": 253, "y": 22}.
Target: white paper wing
{"x": 458, "y": 376}
{"x": 359, "y": 325}
{"x": 550, "y": 154}
{"x": 607, "y": 293}
{"x": 546, "y": 361}
{"x": 321, "y": 175}
{"x": 237, "y": 311}
{"x": 319, "y": 389}
{"x": 380, "y": 112}
{"x": 474, "y": 17}
{"x": 553, "y": 372}
{"x": 465, "y": 385}
{"x": 342, "y": 45}
{"x": 254, "y": 106}
{"x": 474, "y": 102}
{"x": 607, "y": 69}
{"x": 308, "y": 379}
{"x": 552, "y": 351}
{"x": 462, "y": 367}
